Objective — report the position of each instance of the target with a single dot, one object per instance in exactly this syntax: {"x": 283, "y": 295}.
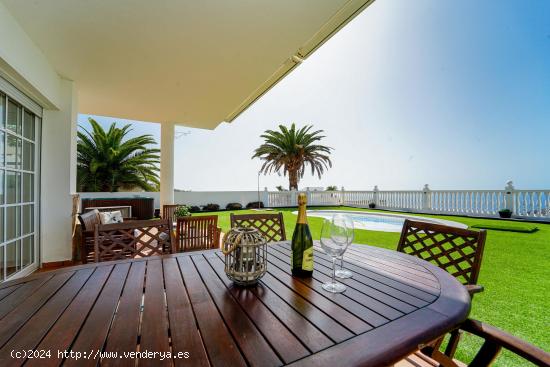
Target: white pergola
{"x": 174, "y": 62}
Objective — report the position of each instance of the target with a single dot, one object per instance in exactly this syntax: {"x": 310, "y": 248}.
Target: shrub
{"x": 182, "y": 211}
{"x": 254, "y": 205}
{"x": 211, "y": 207}
{"x": 233, "y": 206}
{"x": 194, "y": 209}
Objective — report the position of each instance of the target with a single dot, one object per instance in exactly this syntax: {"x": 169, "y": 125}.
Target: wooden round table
{"x": 183, "y": 308}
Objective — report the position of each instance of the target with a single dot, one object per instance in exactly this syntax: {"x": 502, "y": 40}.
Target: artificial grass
{"x": 515, "y": 273}
{"x": 506, "y": 227}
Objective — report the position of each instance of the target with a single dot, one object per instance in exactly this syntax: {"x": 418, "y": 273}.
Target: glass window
{"x": 19, "y": 132}
{"x": 2, "y": 111}
{"x": 2, "y": 155}
{"x": 13, "y": 187}
{"x": 13, "y": 152}
{"x": 12, "y": 263}
{"x": 1, "y": 225}
{"x": 13, "y": 222}
{"x": 28, "y": 156}
{"x": 1, "y": 188}
{"x": 28, "y": 125}
{"x": 28, "y": 219}
{"x": 28, "y": 250}
{"x": 14, "y": 117}
{"x": 28, "y": 187}
{"x": 1, "y": 263}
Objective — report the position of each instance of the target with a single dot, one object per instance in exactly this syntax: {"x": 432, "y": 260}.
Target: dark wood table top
{"x": 184, "y": 303}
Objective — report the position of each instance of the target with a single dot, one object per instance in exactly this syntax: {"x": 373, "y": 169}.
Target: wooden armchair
{"x": 271, "y": 226}
{"x": 168, "y": 211}
{"x": 198, "y": 233}
{"x": 88, "y": 221}
{"x": 494, "y": 341}
{"x": 455, "y": 250}
{"x": 139, "y": 238}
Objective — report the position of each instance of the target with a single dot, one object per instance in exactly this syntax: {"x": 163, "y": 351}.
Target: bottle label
{"x": 307, "y": 260}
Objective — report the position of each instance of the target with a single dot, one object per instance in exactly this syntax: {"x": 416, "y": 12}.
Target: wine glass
{"x": 345, "y": 222}
{"x": 334, "y": 242}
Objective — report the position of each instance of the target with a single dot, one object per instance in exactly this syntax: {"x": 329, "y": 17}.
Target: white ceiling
{"x": 196, "y": 63}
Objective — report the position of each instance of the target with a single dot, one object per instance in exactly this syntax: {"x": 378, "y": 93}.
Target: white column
{"x": 509, "y": 196}
{"x": 426, "y": 198}
{"x": 375, "y": 196}
{"x": 167, "y": 133}
{"x": 58, "y": 175}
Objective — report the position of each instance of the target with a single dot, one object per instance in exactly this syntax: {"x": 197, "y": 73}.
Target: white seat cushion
{"x": 110, "y": 217}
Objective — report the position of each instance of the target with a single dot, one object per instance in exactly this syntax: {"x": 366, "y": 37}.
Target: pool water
{"x": 379, "y": 222}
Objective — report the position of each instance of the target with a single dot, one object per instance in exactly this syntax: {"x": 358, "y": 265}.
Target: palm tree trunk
{"x": 293, "y": 180}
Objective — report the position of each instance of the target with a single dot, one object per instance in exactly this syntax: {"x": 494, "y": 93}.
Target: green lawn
{"x": 515, "y": 273}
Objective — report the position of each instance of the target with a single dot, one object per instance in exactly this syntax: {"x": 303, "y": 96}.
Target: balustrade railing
{"x": 523, "y": 203}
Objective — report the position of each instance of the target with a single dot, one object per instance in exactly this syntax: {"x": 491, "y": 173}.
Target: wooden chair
{"x": 139, "y": 238}
{"x": 88, "y": 222}
{"x": 494, "y": 341}
{"x": 198, "y": 233}
{"x": 168, "y": 211}
{"x": 271, "y": 226}
{"x": 455, "y": 250}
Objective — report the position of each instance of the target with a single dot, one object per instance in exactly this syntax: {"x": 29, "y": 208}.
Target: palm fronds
{"x": 107, "y": 162}
{"x": 291, "y": 151}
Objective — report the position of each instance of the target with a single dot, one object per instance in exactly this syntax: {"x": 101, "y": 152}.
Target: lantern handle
{"x": 233, "y": 245}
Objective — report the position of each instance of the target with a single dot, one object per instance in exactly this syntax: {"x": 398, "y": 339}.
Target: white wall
{"x": 222, "y": 198}
{"x": 58, "y": 176}
{"x": 24, "y": 65}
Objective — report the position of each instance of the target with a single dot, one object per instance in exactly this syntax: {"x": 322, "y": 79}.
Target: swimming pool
{"x": 380, "y": 221}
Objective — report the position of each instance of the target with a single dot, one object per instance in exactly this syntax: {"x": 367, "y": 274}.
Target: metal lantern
{"x": 245, "y": 251}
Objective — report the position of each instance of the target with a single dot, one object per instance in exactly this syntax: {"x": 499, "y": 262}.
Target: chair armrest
{"x": 507, "y": 341}
{"x": 217, "y": 234}
{"x": 474, "y": 288}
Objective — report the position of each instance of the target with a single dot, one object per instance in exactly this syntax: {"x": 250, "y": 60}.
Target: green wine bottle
{"x": 302, "y": 243}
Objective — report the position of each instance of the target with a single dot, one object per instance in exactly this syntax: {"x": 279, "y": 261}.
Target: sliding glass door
{"x": 19, "y": 177}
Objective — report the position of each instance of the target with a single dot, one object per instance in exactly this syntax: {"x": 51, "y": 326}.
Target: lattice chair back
{"x": 198, "y": 233}
{"x": 139, "y": 238}
{"x": 271, "y": 226}
{"x": 456, "y": 250}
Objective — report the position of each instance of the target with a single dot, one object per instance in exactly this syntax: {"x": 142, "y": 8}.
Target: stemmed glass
{"x": 348, "y": 223}
{"x": 334, "y": 241}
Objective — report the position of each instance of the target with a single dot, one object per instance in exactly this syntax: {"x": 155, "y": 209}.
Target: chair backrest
{"x": 139, "y": 238}
{"x": 89, "y": 219}
{"x": 168, "y": 211}
{"x": 271, "y": 226}
{"x": 198, "y": 233}
{"x": 456, "y": 250}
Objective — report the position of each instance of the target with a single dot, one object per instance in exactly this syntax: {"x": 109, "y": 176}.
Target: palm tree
{"x": 290, "y": 150}
{"x": 107, "y": 162}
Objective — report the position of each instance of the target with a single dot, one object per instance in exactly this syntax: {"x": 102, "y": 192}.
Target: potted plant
{"x": 182, "y": 211}
{"x": 505, "y": 213}
{"x": 372, "y": 205}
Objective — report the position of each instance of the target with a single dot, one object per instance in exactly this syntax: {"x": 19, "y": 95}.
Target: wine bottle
{"x": 302, "y": 243}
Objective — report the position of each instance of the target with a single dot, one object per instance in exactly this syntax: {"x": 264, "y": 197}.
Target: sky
{"x": 454, "y": 94}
